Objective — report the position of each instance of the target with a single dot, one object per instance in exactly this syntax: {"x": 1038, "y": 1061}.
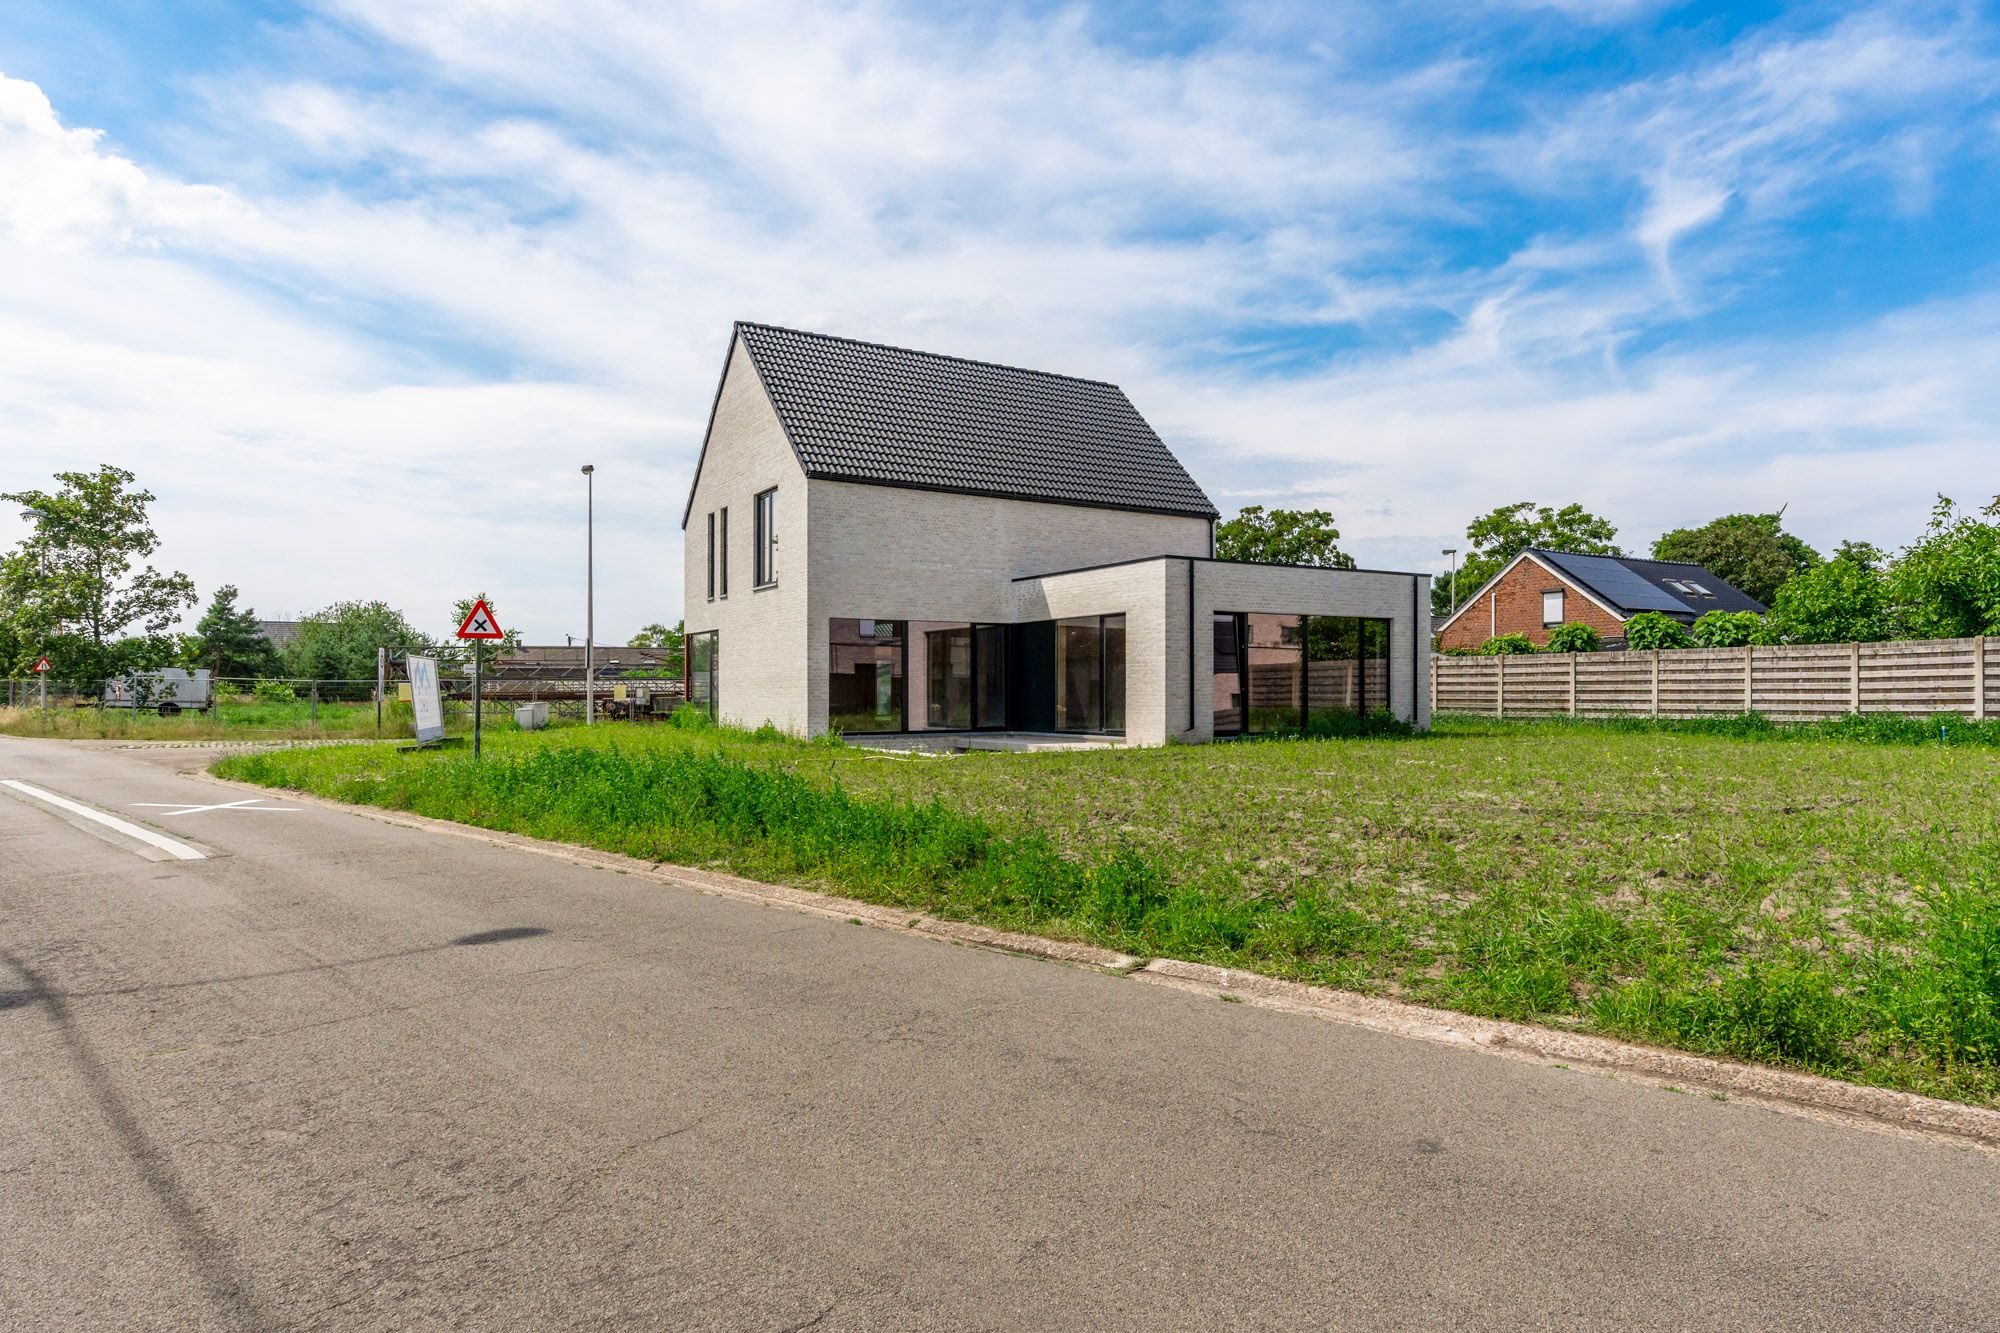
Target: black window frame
{"x": 711, "y": 555}
{"x": 763, "y": 526}
{"x": 722, "y": 554}
{"x": 1363, "y": 635}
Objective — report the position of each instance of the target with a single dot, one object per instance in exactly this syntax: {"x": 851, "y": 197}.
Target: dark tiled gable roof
{"x": 887, "y": 416}
{"x": 1633, "y": 585}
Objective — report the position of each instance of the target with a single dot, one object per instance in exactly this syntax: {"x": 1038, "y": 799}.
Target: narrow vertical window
{"x": 765, "y": 523}
{"x": 711, "y": 555}
{"x": 722, "y": 553}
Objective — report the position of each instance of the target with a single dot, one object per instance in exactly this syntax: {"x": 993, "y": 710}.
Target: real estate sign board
{"x": 424, "y": 701}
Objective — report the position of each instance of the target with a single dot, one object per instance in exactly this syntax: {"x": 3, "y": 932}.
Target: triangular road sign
{"x": 479, "y": 623}
{"x": 41, "y": 665}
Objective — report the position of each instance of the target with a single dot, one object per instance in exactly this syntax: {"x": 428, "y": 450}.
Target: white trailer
{"x": 168, "y": 692}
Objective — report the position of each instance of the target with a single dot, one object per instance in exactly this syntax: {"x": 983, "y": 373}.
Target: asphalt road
{"x": 340, "y": 1074}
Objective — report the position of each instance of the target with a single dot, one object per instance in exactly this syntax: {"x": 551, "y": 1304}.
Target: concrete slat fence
{"x": 1787, "y": 682}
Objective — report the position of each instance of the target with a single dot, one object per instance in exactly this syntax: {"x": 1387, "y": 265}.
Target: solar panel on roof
{"x": 1612, "y": 580}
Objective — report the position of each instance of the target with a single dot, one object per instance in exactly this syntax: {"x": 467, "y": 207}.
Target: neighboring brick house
{"x": 886, "y": 540}
{"x": 1539, "y": 590}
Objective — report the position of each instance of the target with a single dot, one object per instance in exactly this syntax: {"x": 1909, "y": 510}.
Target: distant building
{"x": 280, "y": 632}
{"x": 1539, "y": 590}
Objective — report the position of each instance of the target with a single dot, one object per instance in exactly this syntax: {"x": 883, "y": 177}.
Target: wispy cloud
{"x": 361, "y": 330}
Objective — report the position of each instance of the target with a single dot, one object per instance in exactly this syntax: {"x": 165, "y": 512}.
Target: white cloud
{"x": 365, "y": 356}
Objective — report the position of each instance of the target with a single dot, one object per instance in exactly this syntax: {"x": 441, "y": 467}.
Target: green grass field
{"x": 1791, "y": 897}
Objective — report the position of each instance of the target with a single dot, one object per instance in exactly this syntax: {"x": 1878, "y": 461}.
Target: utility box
{"x": 532, "y": 717}
{"x": 167, "y": 691}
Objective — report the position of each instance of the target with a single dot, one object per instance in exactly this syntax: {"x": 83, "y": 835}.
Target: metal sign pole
{"x": 381, "y": 684}
{"x": 478, "y": 652}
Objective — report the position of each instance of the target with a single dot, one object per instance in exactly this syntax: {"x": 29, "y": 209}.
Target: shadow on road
{"x": 15, "y": 999}
{"x": 228, "y": 1291}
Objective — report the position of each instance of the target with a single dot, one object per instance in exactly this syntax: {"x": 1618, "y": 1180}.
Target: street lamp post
{"x": 589, "y": 595}
{"x": 1452, "y": 551}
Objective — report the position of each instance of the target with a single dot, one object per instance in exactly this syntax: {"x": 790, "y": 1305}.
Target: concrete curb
{"x": 1783, "y": 1089}
{"x": 1808, "y": 1095}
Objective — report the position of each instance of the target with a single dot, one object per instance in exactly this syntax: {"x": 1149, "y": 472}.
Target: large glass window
{"x": 989, "y": 676}
{"x": 766, "y": 532}
{"x": 948, "y": 678}
{"x": 1090, "y": 673}
{"x": 1374, "y": 665}
{"x": 865, "y": 664}
{"x": 1273, "y": 672}
{"x": 1228, "y": 673}
{"x": 1274, "y": 651}
{"x": 701, "y": 664}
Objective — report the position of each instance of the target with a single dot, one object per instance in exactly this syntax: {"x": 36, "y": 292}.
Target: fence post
{"x": 1979, "y": 679}
{"x": 1749, "y": 667}
{"x": 1500, "y": 686}
{"x": 313, "y": 719}
{"x": 1854, "y": 677}
{"x": 1656, "y": 682}
{"x": 1572, "y": 682}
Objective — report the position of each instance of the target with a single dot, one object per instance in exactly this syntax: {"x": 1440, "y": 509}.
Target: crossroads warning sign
{"x": 479, "y": 623}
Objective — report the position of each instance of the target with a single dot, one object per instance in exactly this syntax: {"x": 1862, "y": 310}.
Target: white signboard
{"x": 424, "y": 701}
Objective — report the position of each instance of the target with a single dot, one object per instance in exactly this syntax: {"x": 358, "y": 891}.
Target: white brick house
{"x": 888, "y": 540}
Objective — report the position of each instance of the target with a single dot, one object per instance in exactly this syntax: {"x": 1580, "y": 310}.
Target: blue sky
{"x": 355, "y": 286}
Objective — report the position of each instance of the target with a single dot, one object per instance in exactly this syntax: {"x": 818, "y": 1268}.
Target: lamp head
{"x": 588, "y": 468}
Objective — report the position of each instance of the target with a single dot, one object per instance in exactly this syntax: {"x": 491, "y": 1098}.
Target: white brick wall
{"x": 763, "y": 637}
{"x": 898, "y": 554}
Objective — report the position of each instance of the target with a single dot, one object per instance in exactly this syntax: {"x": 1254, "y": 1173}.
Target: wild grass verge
{"x": 1897, "y": 985}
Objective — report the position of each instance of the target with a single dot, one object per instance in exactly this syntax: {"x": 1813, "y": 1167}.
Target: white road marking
{"x": 178, "y": 850}
{"x": 182, "y": 808}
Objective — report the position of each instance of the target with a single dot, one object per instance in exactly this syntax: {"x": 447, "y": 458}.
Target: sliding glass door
{"x": 1274, "y": 672}
{"x": 1090, "y": 674}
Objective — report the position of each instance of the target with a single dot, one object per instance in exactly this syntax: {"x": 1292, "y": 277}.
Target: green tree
{"x": 1947, "y": 584}
{"x": 1845, "y": 600}
{"x": 1656, "y": 629}
{"x": 673, "y": 640}
{"x": 1282, "y": 537}
{"x": 1497, "y": 537}
{"x": 1752, "y": 552}
{"x": 71, "y": 586}
{"x": 339, "y": 643}
{"x": 1728, "y": 629}
{"x": 1574, "y": 637}
{"x": 230, "y": 642}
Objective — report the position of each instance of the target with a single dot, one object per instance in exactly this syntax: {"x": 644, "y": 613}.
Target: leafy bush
{"x": 1574, "y": 637}
{"x": 274, "y": 691}
{"x": 1507, "y": 645}
{"x": 1845, "y": 600}
{"x": 691, "y": 717}
{"x": 1729, "y": 629}
{"x": 1656, "y": 629}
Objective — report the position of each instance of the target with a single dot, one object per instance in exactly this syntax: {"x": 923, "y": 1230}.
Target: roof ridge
{"x": 918, "y": 351}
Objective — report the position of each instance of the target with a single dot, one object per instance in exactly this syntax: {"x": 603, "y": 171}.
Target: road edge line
{"x": 174, "y": 847}
{"x": 1810, "y": 1096}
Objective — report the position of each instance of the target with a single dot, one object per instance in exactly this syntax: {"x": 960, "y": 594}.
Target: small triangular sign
{"x": 479, "y": 623}
{"x": 41, "y": 665}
